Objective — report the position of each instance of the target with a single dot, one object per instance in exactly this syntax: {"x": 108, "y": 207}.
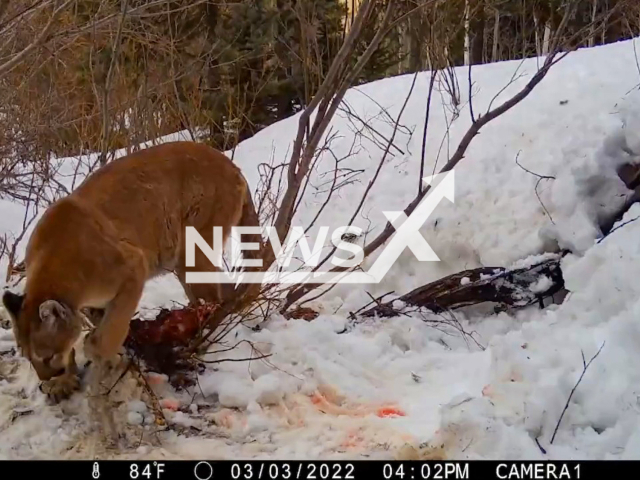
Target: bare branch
{"x": 38, "y": 41}
{"x": 585, "y": 366}
{"x": 432, "y": 81}
{"x": 106, "y": 127}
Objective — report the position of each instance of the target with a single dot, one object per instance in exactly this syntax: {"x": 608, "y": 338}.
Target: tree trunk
{"x": 536, "y": 23}
{"x": 476, "y": 26}
{"x": 592, "y": 35}
{"x": 547, "y": 38}
{"x": 615, "y": 28}
{"x": 467, "y": 27}
{"x": 415, "y": 40}
{"x": 496, "y": 35}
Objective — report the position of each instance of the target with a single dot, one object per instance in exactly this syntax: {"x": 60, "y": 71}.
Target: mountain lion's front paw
{"x": 60, "y": 388}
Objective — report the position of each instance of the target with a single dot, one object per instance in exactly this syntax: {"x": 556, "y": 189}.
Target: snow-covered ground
{"x": 326, "y": 388}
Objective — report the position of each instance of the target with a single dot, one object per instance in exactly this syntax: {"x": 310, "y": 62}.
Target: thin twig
{"x": 618, "y": 227}
{"x": 124, "y": 372}
{"x": 473, "y": 117}
{"x": 432, "y": 82}
{"x": 585, "y": 366}
{"x": 155, "y": 403}
{"x": 540, "y": 178}
{"x": 246, "y": 359}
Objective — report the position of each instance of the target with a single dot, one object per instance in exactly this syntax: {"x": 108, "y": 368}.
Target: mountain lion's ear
{"x": 13, "y": 303}
{"x": 53, "y": 314}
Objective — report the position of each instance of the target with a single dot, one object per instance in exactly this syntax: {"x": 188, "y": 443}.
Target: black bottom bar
{"x": 323, "y": 470}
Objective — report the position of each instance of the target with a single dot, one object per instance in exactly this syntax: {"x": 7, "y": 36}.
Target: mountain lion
{"x": 98, "y": 246}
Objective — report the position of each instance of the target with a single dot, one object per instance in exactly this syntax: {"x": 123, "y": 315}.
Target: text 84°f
{"x": 146, "y": 471}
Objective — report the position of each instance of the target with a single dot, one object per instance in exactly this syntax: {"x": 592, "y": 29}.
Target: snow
{"x": 464, "y": 385}
{"x": 135, "y": 418}
{"x": 541, "y": 285}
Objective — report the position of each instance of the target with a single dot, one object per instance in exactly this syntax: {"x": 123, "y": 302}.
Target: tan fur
{"x": 98, "y": 246}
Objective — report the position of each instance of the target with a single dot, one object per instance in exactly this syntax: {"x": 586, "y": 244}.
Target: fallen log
{"x": 516, "y": 288}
